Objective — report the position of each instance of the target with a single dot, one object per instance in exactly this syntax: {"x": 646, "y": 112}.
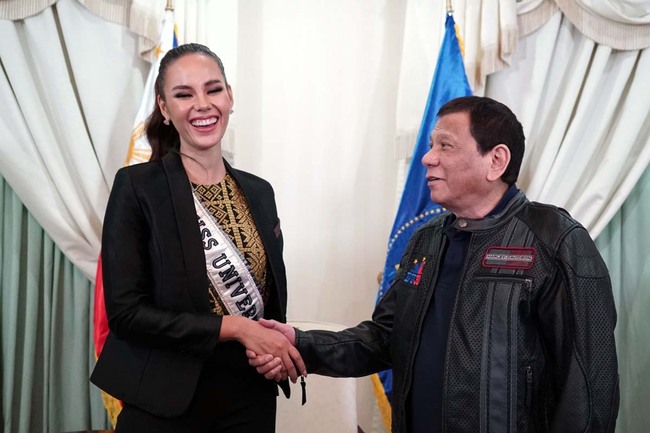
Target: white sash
{"x": 227, "y": 269}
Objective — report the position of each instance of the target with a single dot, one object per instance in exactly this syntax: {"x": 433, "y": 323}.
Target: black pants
{"x": 231, "y": 397}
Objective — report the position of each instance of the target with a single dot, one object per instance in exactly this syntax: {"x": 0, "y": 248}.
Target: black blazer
{"x": 155, "y": 284}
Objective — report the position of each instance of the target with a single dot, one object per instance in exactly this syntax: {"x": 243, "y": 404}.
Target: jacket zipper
{"x": 500, "y": 277}
{"x": 529, "y": 386}
{"x": 528, "y": 285}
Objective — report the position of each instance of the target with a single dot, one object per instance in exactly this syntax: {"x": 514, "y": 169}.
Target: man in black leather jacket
{"x": 501, "y": 316}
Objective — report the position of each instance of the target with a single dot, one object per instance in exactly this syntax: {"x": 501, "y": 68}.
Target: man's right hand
{"x": 264, "y": 339}
{"x": 286, "y": 330}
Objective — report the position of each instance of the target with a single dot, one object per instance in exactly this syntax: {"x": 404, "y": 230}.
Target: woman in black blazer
{"x": 191, "y": 252}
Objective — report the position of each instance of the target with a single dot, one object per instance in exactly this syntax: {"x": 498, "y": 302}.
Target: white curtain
{"x": 488, "y": 32}
{"x": 323, "y": 91}
{"x": 69, "y": 94}
{"x": 584, "y": 106}
{"x": 585, "y": 110}
{"x": 315, "y": 96}
{"x": 142, "y": 17}
{"x": 315, "y": 112}
{"x": 315, "y": 86}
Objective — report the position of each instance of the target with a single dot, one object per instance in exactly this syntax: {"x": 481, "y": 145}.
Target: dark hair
{"x": 163, "y": 138}
{"x": 492, "y": 123}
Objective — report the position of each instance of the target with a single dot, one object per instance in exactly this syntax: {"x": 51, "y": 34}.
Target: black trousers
{"x": 231, "y": 397}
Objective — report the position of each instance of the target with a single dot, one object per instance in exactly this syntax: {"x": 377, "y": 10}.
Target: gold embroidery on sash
{"x": 226, "y": 202}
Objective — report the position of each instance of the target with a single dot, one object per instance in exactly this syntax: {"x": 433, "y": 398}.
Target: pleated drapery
{"x": 45, "y": 329}
{"x": 322, "y": 90}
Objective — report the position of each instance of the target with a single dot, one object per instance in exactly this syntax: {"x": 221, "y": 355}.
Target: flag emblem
{"x": 414, "y": 275}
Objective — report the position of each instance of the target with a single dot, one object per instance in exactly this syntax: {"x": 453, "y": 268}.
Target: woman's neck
{"x": 205, "y": 168}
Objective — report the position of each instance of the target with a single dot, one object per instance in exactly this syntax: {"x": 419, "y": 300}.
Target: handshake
{"x": 270, "y": 349}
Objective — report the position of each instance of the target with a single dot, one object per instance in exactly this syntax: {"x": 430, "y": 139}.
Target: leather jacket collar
{"x": 472, "y": 225}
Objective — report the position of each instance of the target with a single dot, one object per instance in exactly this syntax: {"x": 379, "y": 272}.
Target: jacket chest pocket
{"x": 412, "y": 287}
{"x": 412, "y": 291}
{"x": 508, "y": 296}
{"x": 408, "y": 301}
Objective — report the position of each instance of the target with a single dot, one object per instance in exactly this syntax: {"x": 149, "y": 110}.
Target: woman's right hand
{"x": 267, "y": 365}
{"x": 262, "y": 341}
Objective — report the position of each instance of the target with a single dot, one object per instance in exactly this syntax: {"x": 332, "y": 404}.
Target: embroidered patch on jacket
{"x": 414, "y": 275}
{"x": 509, "y": 257}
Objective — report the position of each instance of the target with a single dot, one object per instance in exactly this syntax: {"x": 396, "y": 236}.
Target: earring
{"x": 232, "y": 111}
{"x": 166, "y": 122}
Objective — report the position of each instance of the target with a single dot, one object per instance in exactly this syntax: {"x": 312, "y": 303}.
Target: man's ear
{"x": 499, "y": 160}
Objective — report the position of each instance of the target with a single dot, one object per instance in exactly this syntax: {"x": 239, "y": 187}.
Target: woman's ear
{"x": 163, "y": 108}
{"x": 232, "y": 100}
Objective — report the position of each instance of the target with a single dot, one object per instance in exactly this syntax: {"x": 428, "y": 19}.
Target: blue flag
{"x": 416, "y": 207}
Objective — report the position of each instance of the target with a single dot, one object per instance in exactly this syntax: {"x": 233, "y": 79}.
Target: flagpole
{"x": 170, "y": 5}
{"x": 450, "y": 8}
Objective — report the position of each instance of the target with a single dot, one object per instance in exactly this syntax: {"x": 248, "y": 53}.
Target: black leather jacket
{"x": 531, "y": 339}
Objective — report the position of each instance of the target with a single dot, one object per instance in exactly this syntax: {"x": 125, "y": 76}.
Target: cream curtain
{"x": 278, "y": 58}
{"x": 585, "y": 109}
{"x": 490, "y": 30}
{"x": 584, "y": 105}
{"x": 69, "y": 95}
{"x": 321, "y": 88}
{"x": 314, "y": 88}
{"x": 622, "y": 25}
{"x": 141, "y": 17}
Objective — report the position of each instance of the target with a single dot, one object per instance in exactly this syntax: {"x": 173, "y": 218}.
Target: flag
{"x": 415, "y": 207}
{"x": 139, "y": 151}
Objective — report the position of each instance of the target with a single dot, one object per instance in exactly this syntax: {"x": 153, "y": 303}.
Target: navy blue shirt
{"x": 426, "y": 397}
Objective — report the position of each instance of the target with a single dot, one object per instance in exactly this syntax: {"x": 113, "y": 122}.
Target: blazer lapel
{"x": 266, "y": 229}
{"x": 188, "y": 230}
